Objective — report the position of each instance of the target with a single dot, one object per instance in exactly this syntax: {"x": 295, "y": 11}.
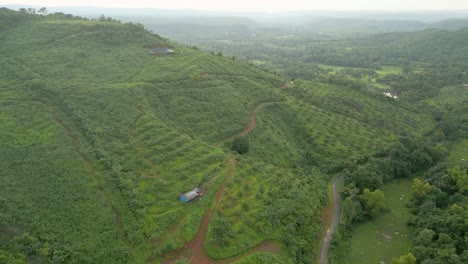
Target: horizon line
{"x": 245, "y": 11}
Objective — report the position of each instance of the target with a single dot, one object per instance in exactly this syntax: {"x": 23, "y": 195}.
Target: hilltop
{"x": 100, "y": 137}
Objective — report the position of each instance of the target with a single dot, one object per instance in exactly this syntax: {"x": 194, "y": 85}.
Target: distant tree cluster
{"x": 439, "y": 213}
{"x": 240, "y": 145}
{"x": 452, "y": 122}
{"x": 362, "y": 195}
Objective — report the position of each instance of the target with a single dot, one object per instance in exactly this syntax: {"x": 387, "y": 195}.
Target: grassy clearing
{"x": 459, "y": 153}
{"x": 387, "y": 70}
{"x": 387, "y": 235}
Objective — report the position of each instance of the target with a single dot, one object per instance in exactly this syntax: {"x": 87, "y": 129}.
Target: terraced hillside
{"x": 99, "y": 138}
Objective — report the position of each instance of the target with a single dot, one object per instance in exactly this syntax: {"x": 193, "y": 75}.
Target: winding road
{"x": 334, "y": 224}
{"x": 194, "y": 250}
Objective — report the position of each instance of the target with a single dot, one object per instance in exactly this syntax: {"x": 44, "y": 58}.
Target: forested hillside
{"x": 99, "y": 138}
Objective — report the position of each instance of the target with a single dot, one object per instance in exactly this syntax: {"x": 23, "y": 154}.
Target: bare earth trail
{"x": 195, "y": 246}
{"x": 252, "y": 122}
{"x": 334, "y": 224}
{"x": 193, "y": 250}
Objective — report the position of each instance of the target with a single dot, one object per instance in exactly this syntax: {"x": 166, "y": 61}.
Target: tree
{"x": 419, "y": 191}
{"x": 373, "y": 203}
{"x": 424, "y": 238}
{"x": 42, "y": 10}
{"x": 241, "y": 145}
{"x": 461, "y": 178}
{"x": 352, "y": 210}
{"x": 405, "y": 259}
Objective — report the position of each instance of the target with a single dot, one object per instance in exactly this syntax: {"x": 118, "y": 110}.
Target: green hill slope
{"x": 99, "y": 138}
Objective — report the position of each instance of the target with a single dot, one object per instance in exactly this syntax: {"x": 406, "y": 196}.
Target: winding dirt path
{"x": 334, "y": 223}
{"x": 194, "y": 250}
{"x": 252, "y": 122}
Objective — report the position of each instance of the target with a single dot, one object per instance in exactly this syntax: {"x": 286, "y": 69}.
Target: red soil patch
{"x": 327, "y": 215}
{"x": 252, "y": 122}
{"x": 193, "y": 250}
{"x": 199, "y": 255}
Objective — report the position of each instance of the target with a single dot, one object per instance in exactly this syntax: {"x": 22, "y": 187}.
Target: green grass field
{"x": 386, "y": 70}
{"x": 459, "y": 153}
{"x": 387, "y": 235}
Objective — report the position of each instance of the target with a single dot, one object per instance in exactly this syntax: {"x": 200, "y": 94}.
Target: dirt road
{"x": 334, "y": 224}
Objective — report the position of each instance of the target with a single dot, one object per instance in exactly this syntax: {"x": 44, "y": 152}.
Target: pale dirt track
{"x": 334, "y": 224}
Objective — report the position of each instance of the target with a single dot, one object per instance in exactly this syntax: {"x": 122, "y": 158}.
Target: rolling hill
{"x": 99, "y": 137}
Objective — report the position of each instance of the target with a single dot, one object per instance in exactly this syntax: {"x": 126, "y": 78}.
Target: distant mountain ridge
{"x": 331, "y": 21}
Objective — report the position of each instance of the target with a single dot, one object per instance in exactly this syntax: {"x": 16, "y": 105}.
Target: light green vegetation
{"x": 387, "y": 235}
{"x": 335, "y": 69}
{"x": 261, "y": 203}
{"x": 386, "y": 70}
{"x": 449, "y": 95}
{"x": 344, "y": 123}
{"x": 459, "y": 153}
{"x": 261, "y": 258}
{"x": 321, "y": 126}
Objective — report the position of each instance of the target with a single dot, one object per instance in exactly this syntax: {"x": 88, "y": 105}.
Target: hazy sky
{"x": 260, "y": 5}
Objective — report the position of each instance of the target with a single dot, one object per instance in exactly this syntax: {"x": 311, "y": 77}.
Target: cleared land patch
{"x": 386, "y": 236}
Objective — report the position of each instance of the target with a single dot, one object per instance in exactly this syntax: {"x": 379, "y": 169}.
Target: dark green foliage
{"x": 10, "y": 18}
{"x": 362, "y": 196}
{"x": 240, "y": 145}
{"x": 221, "y": 231}
{"x": 439, "y": 217}
{"x": 373, "y": 203}
{"x": 403, "y": 158}
{"x": 452, "y": 121}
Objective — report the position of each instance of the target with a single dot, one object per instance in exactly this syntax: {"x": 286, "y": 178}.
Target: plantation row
{"x": 267, "y": 202}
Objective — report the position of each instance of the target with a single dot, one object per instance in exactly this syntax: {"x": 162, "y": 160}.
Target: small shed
{"x": 190, "y": 196}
